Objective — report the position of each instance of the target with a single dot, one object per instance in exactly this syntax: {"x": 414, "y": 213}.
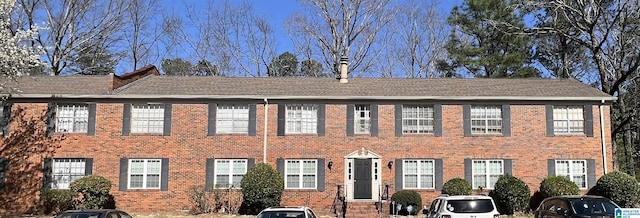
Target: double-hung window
{"x": 302, "y": 119}
{"x": 417, "y": 119}
{"x": 232, "y": 118}
{"x": 486, "y": 119}
{"x": 147, "y": 118}
{"x": 568, "y": 119}
{"x": 229, "y": 172}
{"x": 418, "y": 174}
{"x": 362, "y": 119}
{"x": 301, "y": 174}
{"x": 574, "y": 170}
{"x": 144, "y": 173}
{"x": 72, "y": 118}
{"x": 66, "y": 170}
{"x": 486, "y": 172}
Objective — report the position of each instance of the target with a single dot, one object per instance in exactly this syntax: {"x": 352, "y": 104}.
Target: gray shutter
{"x": 321, "y": 175}
{"x": 321, "y": 119}
{"x": 467, "y": 171}
{"x": 398, "y": 117}
{"x": 551, "y": 167}
{"x": 508, "y": 167}
{"x": 3, "y": 172}
{"x": 88, "y": 166}
{"x": 126, "y": 121}
{"x": 210, "y": 174}
{"x": 591, "y": 173}
{"x": 399, "y": 179}
{"x": 280, "y": 166}
{"x": 437, "y": 120}
{"x": 281, "y": 119}
{"x": 91, "y": 124}
{"x": 588, "y": 120}
{"x": 374, "y": 119}
{"x": 506, "y": 120}
{"x": 5, "y": 123}
{"x": 439, "y": 174}
{"x": 466, "y": 120}
{"x": 252, "y": 119}
{"x": 164, "y": 182}
{"x": 251, "y": 162}
{"x": 350, "y": 118}
{"x": 124, "y": 174}
{"x": 51, "y": 119}
{"x": 47, "y": 171}
{"x": 548, "y": 109}
{"x": 166, "y": 131}
{"x": 211, "y": 129}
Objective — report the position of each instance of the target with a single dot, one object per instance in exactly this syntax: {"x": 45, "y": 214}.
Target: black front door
{"x": 362, "y": 176}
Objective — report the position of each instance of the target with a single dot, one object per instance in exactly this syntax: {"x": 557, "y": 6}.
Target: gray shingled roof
{"x": 78, "y": 85}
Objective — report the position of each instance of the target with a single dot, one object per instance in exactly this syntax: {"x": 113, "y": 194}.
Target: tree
{"x": 284, "y": 65}
{"x": 141, "y": 34}
{"x": 312, "y": 68}
{"x": 488, "y": 48}
{"x": 177, "y": 67}
{"x": 92, "y": 59}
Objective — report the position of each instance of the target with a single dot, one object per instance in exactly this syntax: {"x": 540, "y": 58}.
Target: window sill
{"x": 145, "y": 134}
{"x": 142, "y": 190}
{"x": 231, "y": 134}
{"x": 486, "y": 135}
{"x": 418, "y": 135}
{"x": 569, "y": 135}
{"x": 302, "y": 190}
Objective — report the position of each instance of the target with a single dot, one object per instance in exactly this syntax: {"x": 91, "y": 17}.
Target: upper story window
{"x": 417, "y": 119}
{"x": 147, "y": 118}
{"x": 301, "y": 119}
{"x": 362, "y": 119}
{"x": 418, "y": 174}
{"x": 144, "y": 173}
{"x": 229, "y": 172}
{"x": 486, "y": 119}
{"x": 72, "y": 118}
{"x": 574, "y": 170}
{"x": 232, "y": 118}
{"x": 66, "y": 170}
{"x": 485, "y": 173}
{"x": 301, "y": 174}
{"x": 568, "y": 119}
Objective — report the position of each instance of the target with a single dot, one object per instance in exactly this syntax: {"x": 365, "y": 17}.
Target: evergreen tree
{"x": 284, "y": 65}
{"x": 177, "y": 67}
{"x": 312, "y": 68}
{"x": 92, "y": 59}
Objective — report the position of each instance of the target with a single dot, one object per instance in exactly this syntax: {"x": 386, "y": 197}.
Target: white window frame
{"x": 419, "y": 172}
{"x": 230, "y": 172}
{"x": 486, "y": 119}
{"x": 418, "y": 119}
{"x": 301, "y": 119}
{"x": 572, "y": 171}
{"x": 66, "y": 170}
{"x": 147, "y": 118}
{"x": 362, "y": 119}
{"x": 232, "y": 118}
{"x": 300, "y": 173}
{"x": 486, "y": 172}
{"x": 72, "y": 118}
{"x": 568, "y": 119}
{"x": 145, "y": 173}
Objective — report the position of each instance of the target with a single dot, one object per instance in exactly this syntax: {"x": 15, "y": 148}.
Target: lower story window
{"x": 144, "y": 173}
{"x": 486, "y": 173}
{"x": 65, "y": 171}
{"x": 418, "y": 174}
{"x": 574, "y": 170}
{"x": 301, "y": 174}
{"x": 229, "y": 172}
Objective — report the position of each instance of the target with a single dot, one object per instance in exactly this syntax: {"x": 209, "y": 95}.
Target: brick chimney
{"x": 344, "y": 61}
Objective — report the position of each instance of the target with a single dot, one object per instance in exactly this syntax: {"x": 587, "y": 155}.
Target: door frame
{"x": 376, "y": 173}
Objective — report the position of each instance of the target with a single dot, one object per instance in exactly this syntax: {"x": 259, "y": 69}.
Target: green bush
{"x": 94, "y": 190}
{"x": 56, "y": 200}
{"x": 511, "y": 195}
{"x": 457, "y": 186}
{"x": 406, "y": 198}
{"x": 262, "y": 187}
{"x": 558, "y": 185}
{"x": 619, "y": 187}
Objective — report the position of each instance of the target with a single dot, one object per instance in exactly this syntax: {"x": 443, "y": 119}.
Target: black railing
{"x": 339, "y": 206}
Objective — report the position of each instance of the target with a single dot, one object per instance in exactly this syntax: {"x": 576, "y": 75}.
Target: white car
{"x": 463, "y": 206}
{"x": 287, "y": 212}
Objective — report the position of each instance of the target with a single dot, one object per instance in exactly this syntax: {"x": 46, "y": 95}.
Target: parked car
{"x": 576, "y": 206}
{"x": 287, "y": 212}
{"x": 462, "y": 206}
{"x": 101, "y": 213}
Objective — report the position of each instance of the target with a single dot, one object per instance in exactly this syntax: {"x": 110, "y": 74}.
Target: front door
{"x": 362, "y": 177}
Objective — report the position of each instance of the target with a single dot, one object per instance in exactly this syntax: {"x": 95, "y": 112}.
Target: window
{"x": 486, "y": 172}
{"x": 65, "y": 171}
{"x": 486, "y": 119}
{"x": 144, "y": 173}
{"x": 232, "y": 119}
{"x": 301, "y": 174}
{"x": 147, "y": 118}
{"x": 417, "y": 119}
{"x": 72, "y": 118}
{"x": 229, "y": 173}
{"x": 362, "y": 119}
{"x": 418, "y": 174}
{"x": 568, "y": 119}
{"x": 302, "y": 119}
{"x": 574, "y": 170}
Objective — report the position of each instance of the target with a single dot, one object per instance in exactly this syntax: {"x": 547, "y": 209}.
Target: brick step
{"x": 363, "y": 210}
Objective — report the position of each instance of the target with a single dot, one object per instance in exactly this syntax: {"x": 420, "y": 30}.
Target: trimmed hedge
{"x": 56, "y": 200}
{"x": 619, "y": 187}
{"x": 94, "y": 190}
{"x": 406, "y": 198}
{"x": 262, "y": 187}
{"x": 511, "y": 195}
{"x": 456, "y": 186}
{"x": 558, "y": 185}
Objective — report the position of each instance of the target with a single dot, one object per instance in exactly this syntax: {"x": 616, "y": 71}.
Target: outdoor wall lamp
{"x": 390, "y": 164}
{"x": 330, "y": 165}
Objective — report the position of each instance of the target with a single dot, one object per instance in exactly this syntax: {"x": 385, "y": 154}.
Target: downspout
{"x": 264, "y": 138}
{"x": 604, "y": 147}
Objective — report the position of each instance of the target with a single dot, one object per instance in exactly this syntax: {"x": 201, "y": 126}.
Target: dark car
{"x": 102, "y": 213}
{"x": 576, "y": 206}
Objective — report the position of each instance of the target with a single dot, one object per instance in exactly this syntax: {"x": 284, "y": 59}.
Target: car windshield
{"x": 470, "y": 206}
{"x": 281, "y": 214}
{"x": 79, "y": 215}
{"x": 592, "y": 206}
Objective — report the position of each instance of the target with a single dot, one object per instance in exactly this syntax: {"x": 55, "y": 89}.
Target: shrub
{"x": 56, "y": 200}
{"x": 456, "y": 186}
{"x": 262, "y": 187}
{"x": 406, "y": 198}
{"x": 619, "y": 187}
{"x": 94, "y": 190}
{"x": 511, "y": 194}
{"x": 200, "y": 199}
{"x": 558, "y": 185}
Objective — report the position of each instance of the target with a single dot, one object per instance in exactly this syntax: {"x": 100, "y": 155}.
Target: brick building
{"x": 155, "y": 136}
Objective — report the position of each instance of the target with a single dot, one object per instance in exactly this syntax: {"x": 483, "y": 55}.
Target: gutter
{"x": 264, "y": 142}
{"x": 604, "y": 145}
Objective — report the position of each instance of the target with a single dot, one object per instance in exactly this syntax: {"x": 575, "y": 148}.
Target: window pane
{"x": 147, "y": 118}
{"x": 135, "y": 181}
{"x": 411, "y": 181}
{"x": 72, "y": 118}
{"x": 309, "y": 181}
{"x": 426, "y": 181}
{"x": 293, "y": 181}
{"x": 153, "y": 181}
